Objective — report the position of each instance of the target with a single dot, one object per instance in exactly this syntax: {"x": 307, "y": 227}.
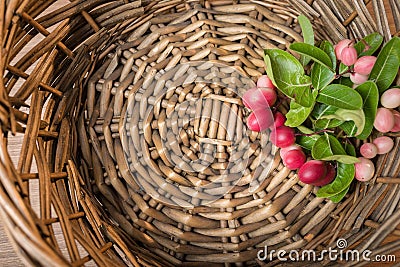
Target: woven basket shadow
{"x": 133, "y": 133}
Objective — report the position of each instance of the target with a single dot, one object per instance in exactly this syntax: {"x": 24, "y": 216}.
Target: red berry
{"x": 283, "y": 136}
{"x": 365, "y": 169}
{"x": 339, "y": 47}
{"x": 396, "y": 127}
{"x": 349, "y": 56}
{"x": 294, "y": 159}
{"x": 384, "y": 120}
{"x": 384, "y": 144}
{"x": 391, "y": 98}
{"x": 312, "y": 172}
{"x": 283, "y": 151}
{"x": 259, "y": 120}
{"x": 329, "y": 177}
{"x": 279, "y": 120}
{"x": 259, "y": 98}
{"x": 265, "y": 82}
{"x": 364, "y": 65}
{"x": 368, "y": 150}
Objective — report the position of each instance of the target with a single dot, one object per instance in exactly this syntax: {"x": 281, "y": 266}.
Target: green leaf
{"x": 287, "y": 74}
{"x": 343, "y": 68}
{"x": 349, "y": 128}
{"x": 328, "y": 148}
{"x": 307, "y": 142}
{"x": 297, "y": 113}
{"x": 357, "y": 116}
{"x": 387, "y": 65}
{"x": 344, "y": 177}
{"x": 373, "y": 40}
{"x": 345, "y": 81}
{"x": 304, "y": 129}
{"x": 315, "y": 53}
{"x": 321, "y": 110}
{"x": 340, "y": 96}
{"x": 327, "y": 123}
{"x": 350, "y": 149}
{"x": 321, "y": 76}
{"x": 338, "y": 197}
{"x": 308, "y": 35}
{"x": 370, "y": 95}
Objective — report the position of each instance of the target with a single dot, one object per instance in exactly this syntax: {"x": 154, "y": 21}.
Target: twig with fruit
{"x": 337, "y": 94}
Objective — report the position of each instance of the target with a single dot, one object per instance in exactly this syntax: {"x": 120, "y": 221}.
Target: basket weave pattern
{"x": 111, "y": 151}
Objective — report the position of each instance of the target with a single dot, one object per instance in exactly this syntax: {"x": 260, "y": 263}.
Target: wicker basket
{"x": 98, "y": 132}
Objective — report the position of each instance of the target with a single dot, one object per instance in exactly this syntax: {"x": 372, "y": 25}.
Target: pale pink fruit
{"x": 259, "y": 120}
{"x": 365, "y": 169}
{"x": 384, "y": 144}
{"x": 391, "y": 98}
{"x": 384, "y": 120}
{"x": 349, "y": 56}
{"x": 357, "y": 78}
{"x": 396, "y": 127}
{"x": 368, "y": 150}
{"x": 265, "y": 82}
{"x": 364, "y": 65}
{"x": 259, "y": 98}
{"x": 339, "y": 47}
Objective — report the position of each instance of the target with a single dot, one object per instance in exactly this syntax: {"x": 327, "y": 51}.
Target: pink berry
{"x": 283, "y": 151}
{"x": 259, "y": 98}
{"x": 357, "y": 78}
{"x": 364, "y": 65}
{"x": 312, "y": 172}
{"x": 259, "y": 120}
{"x": 265, "y": 82}
{"x": 279, "y": 120}
{"x": 384, "y": 144}
{"x": 339, "y": 47}
{"x": 368, "y": 150}
{"x": 294, "y": 159}
{"x": 391, "y": 98}
{"x": 396, "y": 127}
{"x": 349, "y": 56}
{"x": 365, "y": 169}
{"x": 283, "y": 136}
{"x": 329, "y": 177}
{"x": 384, "y": 120}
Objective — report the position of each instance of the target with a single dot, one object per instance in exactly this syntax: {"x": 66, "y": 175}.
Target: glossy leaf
{"x": 357, "y": 116}
{"x": 308, "y": 35}
{"x": 340, "y": 96}
{"x": 321, "y": 110}
{"x": 338, "y": 197}
{"x": 369, "y": 44}
{"x": 313, "y": 52}
{"x": 328, "y": 148}
{"x": 288, "y": 76}
{"x": 297, "y": 113}
{"x": 327, "y": 123}
{"x": 344, "y": 177}
{"x": 321, "y": 76}
{"x": 370, "y": 95}
{"x": 387, "y": 65}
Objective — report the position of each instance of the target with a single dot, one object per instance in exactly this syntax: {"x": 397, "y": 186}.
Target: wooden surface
{"x": 8, "y": 257}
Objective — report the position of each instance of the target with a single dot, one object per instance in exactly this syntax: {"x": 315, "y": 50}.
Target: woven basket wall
{"x": 100, "y": 140}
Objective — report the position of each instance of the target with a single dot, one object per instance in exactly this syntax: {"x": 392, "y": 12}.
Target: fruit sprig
{"x": 333, "y": 94}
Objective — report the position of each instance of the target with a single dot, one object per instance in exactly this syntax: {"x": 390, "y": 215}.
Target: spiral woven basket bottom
{"x": 137, "y": 130}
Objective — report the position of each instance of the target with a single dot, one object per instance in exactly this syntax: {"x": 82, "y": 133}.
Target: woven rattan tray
{"x": 110, "y": 115}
